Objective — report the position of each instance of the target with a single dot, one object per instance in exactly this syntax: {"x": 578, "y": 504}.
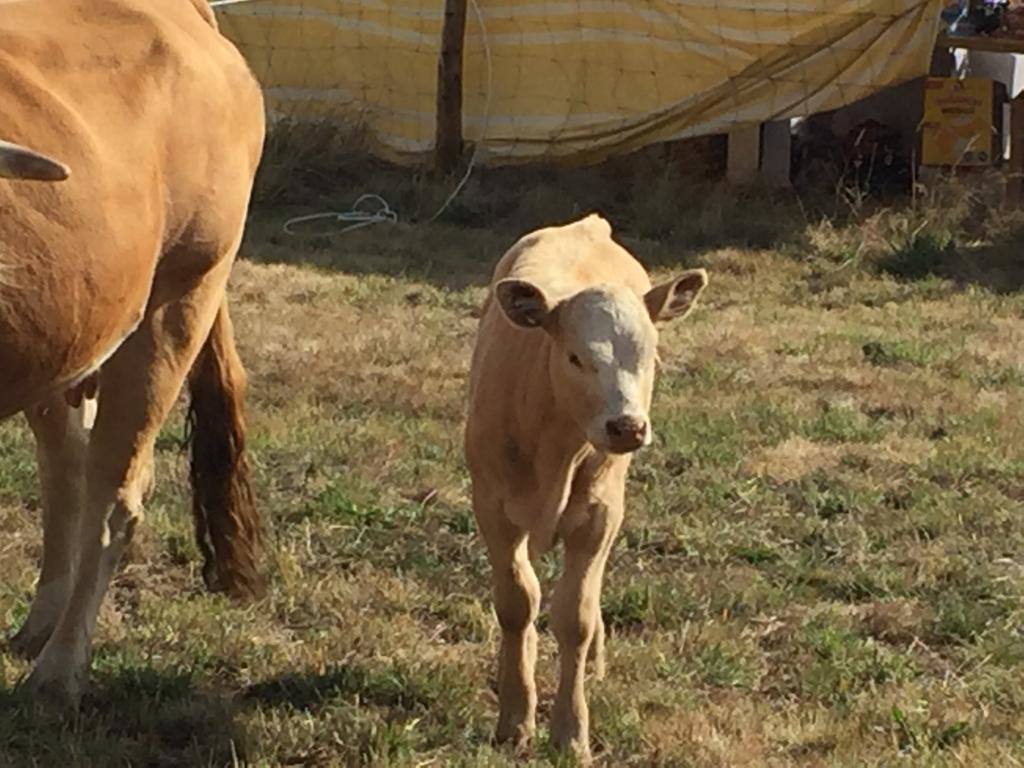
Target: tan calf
{"x": 560, "y": 392}
{"x": 112, "y": 282}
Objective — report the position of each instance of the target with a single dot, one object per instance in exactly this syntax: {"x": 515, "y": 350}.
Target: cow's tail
{"x": 227, "y": 523}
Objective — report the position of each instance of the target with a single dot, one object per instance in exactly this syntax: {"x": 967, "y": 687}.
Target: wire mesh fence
{"x": 575, "y": 80}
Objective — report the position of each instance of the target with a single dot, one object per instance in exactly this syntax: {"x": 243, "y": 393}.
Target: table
{"x": 1015, "y": 168}
{"x": 982, "y": 43}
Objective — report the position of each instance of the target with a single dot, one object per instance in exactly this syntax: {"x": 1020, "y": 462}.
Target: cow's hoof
{"x": 56, "y": 686}
{"x": 55, "y": 696}
{"x": 28, "y": 641}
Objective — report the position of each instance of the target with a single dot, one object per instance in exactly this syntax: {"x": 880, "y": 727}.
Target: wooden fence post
{"x": 448, "y": 135}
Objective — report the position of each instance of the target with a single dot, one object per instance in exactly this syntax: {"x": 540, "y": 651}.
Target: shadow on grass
{"x": 658, "y": 208}
{"x": 959, "y": 229}
{"x": 132, "y": 716}
{"x": 391, "y": 687}
{"x": 998, "y": 267}
{"x": 447, "y": 258}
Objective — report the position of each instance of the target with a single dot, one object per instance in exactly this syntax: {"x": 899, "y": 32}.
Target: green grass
{"x": 822, "y": 558}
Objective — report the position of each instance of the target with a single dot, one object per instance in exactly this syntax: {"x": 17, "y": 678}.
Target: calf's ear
{"x": 675, "y": 298}
{"x": 523, "y": 303}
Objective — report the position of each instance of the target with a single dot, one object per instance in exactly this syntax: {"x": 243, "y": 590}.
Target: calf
{"x": 560, "y": 391}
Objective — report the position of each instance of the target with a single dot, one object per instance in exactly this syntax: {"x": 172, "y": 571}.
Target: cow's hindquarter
{"x": 207, "y": 177}
{"x": 213, "y": 136}
{"x": 73, "y": 285}
{"x": 93, "y": 83}
{"x": 138, "y": 387}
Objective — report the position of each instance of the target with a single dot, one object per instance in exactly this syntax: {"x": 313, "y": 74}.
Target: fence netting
{"x": 578, "y": 79}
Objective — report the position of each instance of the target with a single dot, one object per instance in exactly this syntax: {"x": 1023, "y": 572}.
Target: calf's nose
{"x": 627, "y": 431}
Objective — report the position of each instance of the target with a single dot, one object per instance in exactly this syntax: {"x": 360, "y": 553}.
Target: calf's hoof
{"x": 578, "y": 749}
{"x": 571, "y": 736}
{"x": 518, "y": 735}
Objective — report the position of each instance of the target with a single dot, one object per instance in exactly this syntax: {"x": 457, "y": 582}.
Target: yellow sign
{"x": 957, "y": 127}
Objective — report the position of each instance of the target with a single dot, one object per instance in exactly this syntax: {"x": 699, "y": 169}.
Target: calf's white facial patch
{"x": 610, "y": 332}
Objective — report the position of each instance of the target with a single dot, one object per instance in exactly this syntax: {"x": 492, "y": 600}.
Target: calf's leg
{"x": 576, "y": 621}
{"x": 516, "y": 602}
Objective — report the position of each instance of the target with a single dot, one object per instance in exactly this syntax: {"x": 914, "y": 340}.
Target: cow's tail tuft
{"x": 226, "y": 519}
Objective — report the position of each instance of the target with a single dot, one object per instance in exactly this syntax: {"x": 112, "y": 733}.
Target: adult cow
{"x": 113, "y": 281}
{"x": 560, "y": 391}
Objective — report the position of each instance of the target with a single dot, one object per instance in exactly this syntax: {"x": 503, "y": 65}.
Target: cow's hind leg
{"x": 576, "y": 621}
{"x": 516, "y": 602}
{"x": 138, "y": 386}
{"x": 62, "y": 434}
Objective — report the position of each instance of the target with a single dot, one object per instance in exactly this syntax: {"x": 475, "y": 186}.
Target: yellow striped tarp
{"x": 578, "y": 79}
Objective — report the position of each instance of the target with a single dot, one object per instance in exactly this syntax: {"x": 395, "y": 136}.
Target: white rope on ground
{"x": 357, "y": 217}
{"x": 487, "y": 113}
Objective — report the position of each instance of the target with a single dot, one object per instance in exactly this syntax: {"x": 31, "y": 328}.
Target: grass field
{"x": 823, "y": 556}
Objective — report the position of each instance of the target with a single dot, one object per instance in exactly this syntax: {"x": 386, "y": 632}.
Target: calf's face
{"x": 603, "y": 351}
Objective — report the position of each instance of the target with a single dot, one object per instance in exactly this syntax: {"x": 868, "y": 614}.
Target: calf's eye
{"x": 575, "y": 361}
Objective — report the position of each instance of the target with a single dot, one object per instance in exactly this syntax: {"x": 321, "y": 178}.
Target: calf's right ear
{"x": 523, "y": 303}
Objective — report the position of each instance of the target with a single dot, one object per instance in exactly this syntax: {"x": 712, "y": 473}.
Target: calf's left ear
{"x": 675, "y": 298}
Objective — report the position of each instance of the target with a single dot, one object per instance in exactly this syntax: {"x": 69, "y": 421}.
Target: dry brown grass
{"x": 821, "y": 560}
